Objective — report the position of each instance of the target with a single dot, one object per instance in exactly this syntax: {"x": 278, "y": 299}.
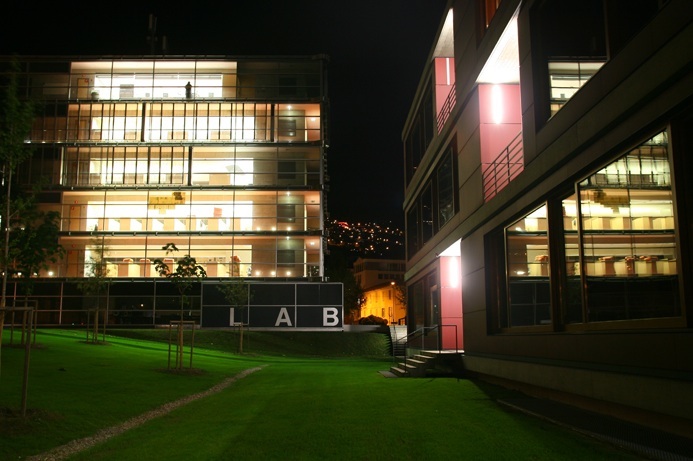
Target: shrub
{"x": 372, "y": 320}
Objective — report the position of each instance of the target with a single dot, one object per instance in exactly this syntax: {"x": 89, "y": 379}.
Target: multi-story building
{"x": 384, "y": 301}
{"x": 548, "y": 188}
{"x": 223, "y": 157}
{"x": 381, "y": 282}
{"x": 371, "y": 272}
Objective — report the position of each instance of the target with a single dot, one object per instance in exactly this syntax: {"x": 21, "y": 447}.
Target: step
{"x": 398, "y": 371}
{"x": 414, "y": 368}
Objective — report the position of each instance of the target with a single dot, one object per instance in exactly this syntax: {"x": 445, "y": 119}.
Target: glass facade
{"x": 224, "y": 158}
{"x": 434, "y": 207}
{"x": 615, "y": 248}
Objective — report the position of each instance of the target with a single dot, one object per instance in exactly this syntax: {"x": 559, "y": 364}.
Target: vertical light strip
{"x": 447, "y": 71}
{"x": 496, "y": 104}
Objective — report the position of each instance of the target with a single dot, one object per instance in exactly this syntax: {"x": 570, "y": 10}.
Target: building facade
{"x": 383, "y": 291}
{"x": 384, "y": 301}
{"x": 222, "y": 157}
{"x": 548, "y": 188}
{"x": 371, "y": 272}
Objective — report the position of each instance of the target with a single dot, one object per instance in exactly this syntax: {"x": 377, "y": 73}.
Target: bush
{"x": 372, "y": 320}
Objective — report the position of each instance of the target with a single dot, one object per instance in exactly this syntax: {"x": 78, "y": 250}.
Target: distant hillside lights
{"x": 367, "y": 239}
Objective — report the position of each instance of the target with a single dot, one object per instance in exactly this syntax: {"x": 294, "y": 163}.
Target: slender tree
{"x": 186, "y": 273}
{"x": 237, "y": 294}
{"x": 16, "y": 118}
{"x": 96, "y": 282}
{"x": 339, "y": 268}
{"x": 33, "y": 244}
{"x": 34, "y": 241}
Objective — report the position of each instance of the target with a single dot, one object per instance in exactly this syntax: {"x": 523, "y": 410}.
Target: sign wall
{"x": 277, "y": 305}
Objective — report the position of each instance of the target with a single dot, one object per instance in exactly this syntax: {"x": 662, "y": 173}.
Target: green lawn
{"x": 300, "y": 405}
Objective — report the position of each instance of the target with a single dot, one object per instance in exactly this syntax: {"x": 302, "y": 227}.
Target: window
{"x": 489, "y": 10}
{"x": 628, "y": 242}
{"x": 527, "y": 259}
{"x": 567, "y": 77}
{"x": 446, "y": 187}
{"x": 570, "y": 48}
{"x": 420, "y": 135}
{"x": 435, "y": 206}
{"x": 427, "y": 229}
{"x": 613, "y": 256}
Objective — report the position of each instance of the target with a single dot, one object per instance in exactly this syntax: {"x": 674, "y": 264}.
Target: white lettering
{"x": 329, "y": 317}
{"x": 283, "y": 317}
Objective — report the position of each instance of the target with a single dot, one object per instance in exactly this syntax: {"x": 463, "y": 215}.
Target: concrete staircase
{"x": 430, "y": 364}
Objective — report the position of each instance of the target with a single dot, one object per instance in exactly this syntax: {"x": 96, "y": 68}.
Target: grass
{"x": 300, "y": 405}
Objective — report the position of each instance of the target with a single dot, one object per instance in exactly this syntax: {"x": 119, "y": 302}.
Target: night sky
{"x": 377, "y": 51}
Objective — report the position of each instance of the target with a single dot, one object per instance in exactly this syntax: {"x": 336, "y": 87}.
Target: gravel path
{"x": 76, "y": 446}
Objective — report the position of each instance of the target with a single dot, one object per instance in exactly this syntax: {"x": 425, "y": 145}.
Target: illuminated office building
{"x": 223, "y": 157}
{"x": 548, "y": 186}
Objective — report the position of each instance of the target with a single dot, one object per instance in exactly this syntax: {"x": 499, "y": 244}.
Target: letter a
{"x": 283, "y": 317}
{"x": 329, "y": 317}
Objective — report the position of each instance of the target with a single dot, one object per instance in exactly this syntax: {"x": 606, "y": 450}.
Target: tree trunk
{"x": 6, "y": 255}
{"x": 240, "y": 346}
{"x": 95, "y": 334}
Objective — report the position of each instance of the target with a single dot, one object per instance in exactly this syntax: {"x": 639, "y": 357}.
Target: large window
{"x": 607, "y": 252}
{"x": 435, "y": 206}
{"x": 628, "y": 243}
{"x": 420, "y": 134}
{"x": 527, "y": 268}
{"x": 220, "y": 122}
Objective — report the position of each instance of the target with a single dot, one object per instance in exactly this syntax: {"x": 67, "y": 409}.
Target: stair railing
{"x": 421, "y": 332}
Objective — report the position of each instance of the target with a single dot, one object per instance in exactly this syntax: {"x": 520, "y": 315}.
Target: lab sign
{"x": 277, "y": 305}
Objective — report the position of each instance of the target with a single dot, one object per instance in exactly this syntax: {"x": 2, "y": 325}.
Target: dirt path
{"x": 78, "y": 445}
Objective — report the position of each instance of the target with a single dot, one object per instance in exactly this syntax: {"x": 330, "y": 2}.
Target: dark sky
{"x": 377, "y": 50}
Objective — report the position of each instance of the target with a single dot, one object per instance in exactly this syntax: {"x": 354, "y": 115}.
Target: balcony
{"x": 497, "y": 175}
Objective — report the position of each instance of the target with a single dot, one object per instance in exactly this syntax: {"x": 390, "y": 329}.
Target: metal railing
{"x": 498, "y": 174}
{"x": 446, "y": 110}
{"x": 422, "y": 333}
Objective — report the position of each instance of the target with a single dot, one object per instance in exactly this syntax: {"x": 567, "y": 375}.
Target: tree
{"x": 401, "y": 293}
{"x": 16, "y": 118}
{"x": 338, "y": 268}
{"x": 33, "y": 242}
{"x": 186, "y": 273}
{"x": 238, "y": 295}
{"x": 97, "y": 281}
